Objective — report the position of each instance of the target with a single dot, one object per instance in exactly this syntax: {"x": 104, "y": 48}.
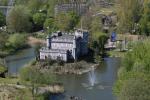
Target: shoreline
{"x": 77, "y": 68}
{"x": 79, "y": 72}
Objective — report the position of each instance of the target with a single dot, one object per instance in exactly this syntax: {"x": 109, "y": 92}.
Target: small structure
{"x": 65, "y": 46}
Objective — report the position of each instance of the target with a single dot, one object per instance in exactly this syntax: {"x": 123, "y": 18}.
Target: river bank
{"x": 76, "y": 68}
{"x": 12, "y": 88}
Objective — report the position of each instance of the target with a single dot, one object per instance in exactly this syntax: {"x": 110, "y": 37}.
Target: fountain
{"x": 92, "y": 77}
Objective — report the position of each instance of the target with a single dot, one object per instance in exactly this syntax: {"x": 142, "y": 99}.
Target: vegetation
{"x": 3, "y": 2}
{"x": 135, "y": 69}
{"x": 16, "y": 41}
{"x": 34, "y": 76}
{"x": 145, "y": 19}
{"x": 2, "y": 20}
{"x": 11, "y": 43}
{"x": 18, "y": 20}
{"x": 129, "y": 14}
{"x": 39, "y": 19}
{"x": 66, "y": 21}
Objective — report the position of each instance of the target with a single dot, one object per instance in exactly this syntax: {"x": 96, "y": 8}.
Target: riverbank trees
{"x": 145, "y": 19}
{"x": 133, "y": 17}
{"x": 129, "y": 13}
{"x": 135, "y": 69}
{"x": 11, "y": 43}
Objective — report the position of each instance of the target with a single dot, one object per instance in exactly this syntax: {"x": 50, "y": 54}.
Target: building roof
{"x": 63, "y": 38}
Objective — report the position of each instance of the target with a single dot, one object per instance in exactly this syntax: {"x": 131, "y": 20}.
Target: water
{"x": 94, "y": 85}
{"x": 17, "y": 61}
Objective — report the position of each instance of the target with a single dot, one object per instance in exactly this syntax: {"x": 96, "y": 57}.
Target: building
{"x": 80, "y": 7}
{"x": 65, "y": 46}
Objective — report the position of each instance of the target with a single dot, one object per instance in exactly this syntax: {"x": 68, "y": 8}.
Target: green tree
{"x": 136, "y": 66}
{"x": 129, "y": 13}
{"x": 145, "y": 20}
{"x": 3, "y": 38}
{"x": 96, "y": 25}
{"x": 16, "y": 41}
{"x": 51, "y": 6}
{"x": 66, "y": 21}
{"x": 35, "y": 77}
{"x": 3, "y": 2}
{"x": 18, "y": 20}
{"x": 36, "y": 5}
{"x": 39, "y": 19}
{"x": 49, "y": 24}
{"x": 2, "y": 20}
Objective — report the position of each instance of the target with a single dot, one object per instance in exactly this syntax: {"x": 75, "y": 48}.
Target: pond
{"x": 94, "y": 85}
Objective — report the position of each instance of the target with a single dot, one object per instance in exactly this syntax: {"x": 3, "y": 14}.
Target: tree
{"x": 16, "y": 41}
{"x": 39, "y": 19}
{"x": 135, "y": 65}
{"x": 2, "y": 20}
{"x": 66, "y": 21}
{"x": 96, "y": 25}
{"x": 51, "y": 6}
{"x": 145, "y": 20}
{"x": 101, "y": 43}
{"x": 129, "y": 13}
{"x": 3, "y": 38}
{"x": 3, "y": 2}
{"x": 36, "y": 5}
{"x": 18, "y": 20}
{"x": 49, "y": 24}
{"x": 36, "y": 77}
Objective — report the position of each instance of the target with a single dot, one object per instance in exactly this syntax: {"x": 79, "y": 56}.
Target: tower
{"x": 48, "y": 42}
{"x": 74, "y": 48}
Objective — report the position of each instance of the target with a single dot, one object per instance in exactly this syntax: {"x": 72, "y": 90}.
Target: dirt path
{"x": 34, "y": 41}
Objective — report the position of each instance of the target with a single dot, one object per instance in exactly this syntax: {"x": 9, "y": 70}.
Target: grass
{"x": 18, "y": 93}
{"x": 114, "y": 53}
{"x": 9, "y": 80}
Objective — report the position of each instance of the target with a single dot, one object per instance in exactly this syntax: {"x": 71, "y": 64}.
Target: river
{"x": 94, "y": 85}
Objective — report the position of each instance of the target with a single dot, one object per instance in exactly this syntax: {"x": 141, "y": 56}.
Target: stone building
{"x": 78, "y": 6}
{"x": 65, "y": 46}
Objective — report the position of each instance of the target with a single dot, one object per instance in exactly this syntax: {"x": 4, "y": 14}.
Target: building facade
{"x": 65, "y": 46}
{"x": 80, "y": 7}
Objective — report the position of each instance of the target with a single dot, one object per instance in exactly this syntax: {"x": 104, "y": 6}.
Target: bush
{"x": 16, "y": 41}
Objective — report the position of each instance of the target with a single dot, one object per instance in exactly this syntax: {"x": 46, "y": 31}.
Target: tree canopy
{"x": 18, "y": 20}
{"x": 135, "y": 69}
{"x": 2, "y": 20}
